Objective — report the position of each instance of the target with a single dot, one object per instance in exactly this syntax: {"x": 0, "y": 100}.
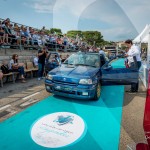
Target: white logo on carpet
{"x": 58, "y": 129}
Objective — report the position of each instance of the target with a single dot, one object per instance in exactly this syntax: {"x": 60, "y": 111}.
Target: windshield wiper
{"x": 69, "y": 65}
{"x": 85, "y": 65}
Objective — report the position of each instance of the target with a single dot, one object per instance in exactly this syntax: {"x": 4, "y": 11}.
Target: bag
{"x": 15, "y": 67}
{"x": 5, "y": 69}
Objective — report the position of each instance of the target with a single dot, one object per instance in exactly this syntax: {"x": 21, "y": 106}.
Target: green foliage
{"x": 74, "y": 33}
{"x": 93, "y": 38}
{"x": 55, "y": 30}
{"x": 47, "y": 31}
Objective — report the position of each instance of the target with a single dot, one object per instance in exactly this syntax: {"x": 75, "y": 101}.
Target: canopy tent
{"x": 145, "y": 39}
{"x": 143, "y": 36}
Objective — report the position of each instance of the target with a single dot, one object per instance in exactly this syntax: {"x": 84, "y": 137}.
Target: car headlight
{"x": 49, "y": 76}
{"x": 85, "y": 81}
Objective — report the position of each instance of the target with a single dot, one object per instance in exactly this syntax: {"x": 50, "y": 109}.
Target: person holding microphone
{"x": 42, "y": 55}
{"x": 134, "y": 61}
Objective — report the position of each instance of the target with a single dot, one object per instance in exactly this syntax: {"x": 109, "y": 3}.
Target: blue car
{"x": 82, "y": 75}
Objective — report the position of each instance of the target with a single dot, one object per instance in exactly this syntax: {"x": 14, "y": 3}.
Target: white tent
{"x": 145, "y": 39}
{"x": 143, "y": 36}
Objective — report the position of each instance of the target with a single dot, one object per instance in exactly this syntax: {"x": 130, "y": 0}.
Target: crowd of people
{"x": 13, "y": 34}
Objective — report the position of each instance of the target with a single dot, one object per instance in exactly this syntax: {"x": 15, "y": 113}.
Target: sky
{"x": 117, "y": 20}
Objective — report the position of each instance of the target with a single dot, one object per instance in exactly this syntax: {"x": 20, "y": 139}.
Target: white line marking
{"x": 30, "y": 95}
{"x": 4, "y": 107}
{"x": 28, "y": 103}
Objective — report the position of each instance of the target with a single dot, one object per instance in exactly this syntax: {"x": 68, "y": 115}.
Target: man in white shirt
{"x": 134, "y": 60}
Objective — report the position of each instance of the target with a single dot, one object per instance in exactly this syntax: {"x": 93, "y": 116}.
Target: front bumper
{"x": 77, "y": 92}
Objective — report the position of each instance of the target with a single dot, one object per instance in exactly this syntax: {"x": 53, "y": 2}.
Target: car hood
{"x": 74, "y": 71}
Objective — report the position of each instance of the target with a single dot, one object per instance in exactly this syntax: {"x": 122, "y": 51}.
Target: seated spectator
{"x": 7, "y": 30}
{"x": 15, "y": 26}
{"x": 2, "y": 36}
{"x": 6, "y": 20}
{"x": 1, "y": 24}
{"x": 27, "y": 35}
{"x": 35, "y": 60}
{"x": 58, "y": 61}
{"x": 62, "y": 59}
{"x": 4, "y": 67}
{"x": 17, "y": 34}
{"x": 18, "y": 67}
{"x": 44, "y": 38}
{"x": 22, "y": 34}
{"x": 36, "y": 38}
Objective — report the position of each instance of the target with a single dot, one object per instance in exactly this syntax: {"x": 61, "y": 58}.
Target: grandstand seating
{"x": 25, "y": 37}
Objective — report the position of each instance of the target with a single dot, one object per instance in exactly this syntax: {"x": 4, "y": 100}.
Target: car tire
{"x": 97, "y": 92}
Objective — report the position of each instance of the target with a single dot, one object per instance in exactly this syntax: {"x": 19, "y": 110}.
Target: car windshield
{"x": 84, "y": 59}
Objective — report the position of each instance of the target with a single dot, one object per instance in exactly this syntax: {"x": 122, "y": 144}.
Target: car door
{"x": 118, "y": 76}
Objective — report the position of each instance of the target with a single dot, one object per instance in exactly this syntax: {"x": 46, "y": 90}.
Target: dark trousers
{"x": 21, "y": 70}
{"x": 40, "y": 69}
{"x": 135, "y": 86}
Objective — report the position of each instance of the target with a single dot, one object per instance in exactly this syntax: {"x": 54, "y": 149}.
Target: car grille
{"x": 65, "y": 83}
{"x": 68, "y": 92}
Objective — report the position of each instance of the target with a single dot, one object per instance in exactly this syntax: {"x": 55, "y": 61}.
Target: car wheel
{"x": 97, "y": 92}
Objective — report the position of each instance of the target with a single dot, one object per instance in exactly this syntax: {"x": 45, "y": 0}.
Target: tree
{"x": 74, "y": 33}
{"x": 55, "y": 30}
{"x": 93, "y": 38}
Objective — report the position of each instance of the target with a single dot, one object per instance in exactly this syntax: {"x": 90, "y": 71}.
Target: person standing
{"x": 42, "y": 55}
{"x": 102, "y": 52}
{"x": 134, "y": 61}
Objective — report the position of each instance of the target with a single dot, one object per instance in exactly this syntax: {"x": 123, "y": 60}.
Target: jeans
{"x": 135, "y": 86}
{"x": 21, "y": 70}
{"x": 40, "y": 69}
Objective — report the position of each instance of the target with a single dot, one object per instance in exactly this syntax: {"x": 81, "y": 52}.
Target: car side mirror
{"x": 108, "y": 67}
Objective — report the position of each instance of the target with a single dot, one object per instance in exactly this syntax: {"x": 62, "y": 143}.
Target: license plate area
{"x": 61, "y": 88}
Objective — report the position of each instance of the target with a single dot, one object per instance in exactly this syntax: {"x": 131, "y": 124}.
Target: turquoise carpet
{"x": 102, "y": 119}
